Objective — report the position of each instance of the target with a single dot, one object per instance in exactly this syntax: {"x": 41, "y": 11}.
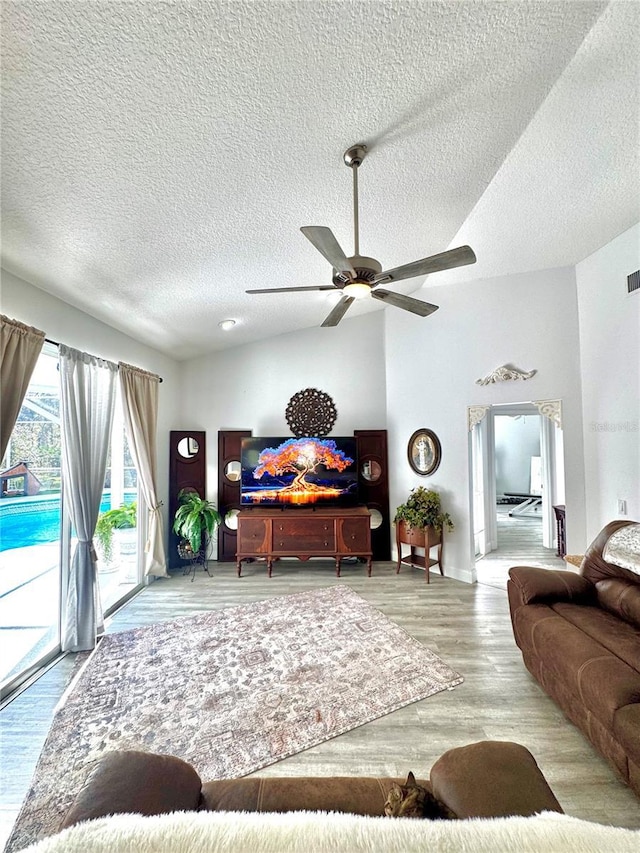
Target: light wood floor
{"x": 519, "y": 543}
{"x": 467, "y": 625}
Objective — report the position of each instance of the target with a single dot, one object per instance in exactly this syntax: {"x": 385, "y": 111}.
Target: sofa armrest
{"x": 535, "y": 586}
{"x": 492, "y": 779}
{"x": 136, "y": 782}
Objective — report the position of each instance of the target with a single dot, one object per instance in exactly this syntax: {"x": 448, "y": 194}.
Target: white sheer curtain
{"x": 140, "y": 407}
{"x": 86, "y": 407}
{"x": 20, "y": 347}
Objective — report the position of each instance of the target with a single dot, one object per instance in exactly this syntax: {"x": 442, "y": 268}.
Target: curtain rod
{"x": 57, "y": 344}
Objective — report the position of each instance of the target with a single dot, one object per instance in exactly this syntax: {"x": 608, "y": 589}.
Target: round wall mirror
{"x": 371, "y": 470}
{"x": 376, "y": 519}
{"x": 188, "y": 447}
{"x": 231, "y": 519}
{"x": 232, "y": 471}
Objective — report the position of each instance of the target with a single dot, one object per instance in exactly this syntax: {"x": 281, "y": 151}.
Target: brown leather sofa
{"x": 485, "y": 779}
{"x": 579, "y": 634}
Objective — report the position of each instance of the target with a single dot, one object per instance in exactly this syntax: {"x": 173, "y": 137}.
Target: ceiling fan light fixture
{"x": 356, "y": 289}
{"x": 358, "y": 277}
{"x": 225, "y": 325}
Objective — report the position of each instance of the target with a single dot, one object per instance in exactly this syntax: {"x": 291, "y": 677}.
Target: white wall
{"x": 517, "y": 439}
{"x": 610, "y": 358}
{"x": 529, "y": 320}
{"x": 60, "y": 322}
{"x": 248, "y": 387}
{"x": 391, "y": 369}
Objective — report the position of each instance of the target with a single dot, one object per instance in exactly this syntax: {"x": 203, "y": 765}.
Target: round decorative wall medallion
{"x": 311, "y": 412}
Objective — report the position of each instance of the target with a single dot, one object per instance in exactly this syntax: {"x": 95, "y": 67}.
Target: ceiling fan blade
{"x": 416, "y": 306}
{"x": 338, "y": 311}
{"x": 325, "y": 242}
{"x": 444, "y": 261}
{"x": 292, "y": 289}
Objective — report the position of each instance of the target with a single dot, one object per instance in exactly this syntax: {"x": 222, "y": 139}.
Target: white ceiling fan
{"x": 358, "y": 276}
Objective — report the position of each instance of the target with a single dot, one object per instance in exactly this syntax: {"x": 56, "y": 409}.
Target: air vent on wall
{"x": 633, "y": 281}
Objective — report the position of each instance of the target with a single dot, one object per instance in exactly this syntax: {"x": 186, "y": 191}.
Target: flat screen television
{"x": 305, "y": 471}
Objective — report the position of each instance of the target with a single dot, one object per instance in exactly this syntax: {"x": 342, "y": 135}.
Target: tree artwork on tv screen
{"x": 299, "y": 471}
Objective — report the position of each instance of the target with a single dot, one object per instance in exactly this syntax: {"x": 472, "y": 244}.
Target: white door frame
{"x": 548, "y": 464}
{"x": 484, "y": 440}
{"x": 482, "y": 497}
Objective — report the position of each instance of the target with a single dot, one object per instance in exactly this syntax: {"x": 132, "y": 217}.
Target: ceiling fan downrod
{"x": 353, "y": 157}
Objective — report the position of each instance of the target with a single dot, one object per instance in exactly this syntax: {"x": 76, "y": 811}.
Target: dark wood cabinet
{"x": 373, "y": 483}
{"x": 560, "y": 515}
{"x": 304, "y": 533}
{"x": 229, "y": 446}
{"x": 187, "y": 470}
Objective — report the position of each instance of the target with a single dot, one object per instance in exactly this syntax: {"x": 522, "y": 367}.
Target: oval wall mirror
{"x": 376, "y": 519}
{"x": 231, "y": 519}
{"x": 424, "y": 451}
{"x": 232, "y": 471}
{"x": 188, "y": 447}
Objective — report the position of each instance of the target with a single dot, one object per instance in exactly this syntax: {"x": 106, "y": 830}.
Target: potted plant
{"x": 194, "y": 521}
{"x": 420, "y": 523}
{"x": 119, "y": 518}
{"x": 423, "y": 509}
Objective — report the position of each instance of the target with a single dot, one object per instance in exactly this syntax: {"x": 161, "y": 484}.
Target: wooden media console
{"x": 304, "y": 533}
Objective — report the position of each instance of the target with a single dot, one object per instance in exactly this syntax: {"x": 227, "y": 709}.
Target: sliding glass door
{"x": 30, "y": 524}
{"x": 116, "y": 536}
{"x": 34, "y": 534}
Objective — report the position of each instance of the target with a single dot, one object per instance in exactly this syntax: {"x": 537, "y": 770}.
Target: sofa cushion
{"x": 525, "y": 620}
{"x": 544, "y": 585}
{"x": 357, "y": 795}
{"x": 601, "y": 680}
{"x": 620, "y": 597}
{"x": 613, "y": 634}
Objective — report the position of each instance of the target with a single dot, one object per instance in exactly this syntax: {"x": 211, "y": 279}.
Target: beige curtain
{"x": 20, "y": 347}
{"x": 140, "y": 406}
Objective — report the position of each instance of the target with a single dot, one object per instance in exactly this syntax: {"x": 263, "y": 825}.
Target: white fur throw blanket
{"x": 623, "y": 548}
{"x": 321, "y": 832}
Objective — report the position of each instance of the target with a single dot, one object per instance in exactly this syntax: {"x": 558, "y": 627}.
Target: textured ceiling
{"x": 159, "y": 158}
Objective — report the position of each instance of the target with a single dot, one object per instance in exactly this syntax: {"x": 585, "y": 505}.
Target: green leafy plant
{"x": 195, "y": 519}
{"x": 423, "y": 509}
{"x": 119, "y": 518}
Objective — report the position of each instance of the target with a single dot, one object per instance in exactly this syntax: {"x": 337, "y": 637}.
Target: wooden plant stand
{"x": 426, "y": 538}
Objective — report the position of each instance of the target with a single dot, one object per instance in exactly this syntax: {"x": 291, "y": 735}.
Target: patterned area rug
{"x": 230, "y": 691}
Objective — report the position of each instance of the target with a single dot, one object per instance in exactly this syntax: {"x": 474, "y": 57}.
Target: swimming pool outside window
{"x": 32, "y": 527}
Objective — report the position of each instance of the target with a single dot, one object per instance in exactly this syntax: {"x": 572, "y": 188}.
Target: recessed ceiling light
{"x": 225, "y": 325}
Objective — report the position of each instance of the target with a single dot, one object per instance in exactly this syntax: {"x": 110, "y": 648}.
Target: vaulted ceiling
{"x": 159, "y": 158}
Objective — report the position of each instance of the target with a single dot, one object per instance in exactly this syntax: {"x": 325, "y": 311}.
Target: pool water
{"x": 36, "y": 520}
